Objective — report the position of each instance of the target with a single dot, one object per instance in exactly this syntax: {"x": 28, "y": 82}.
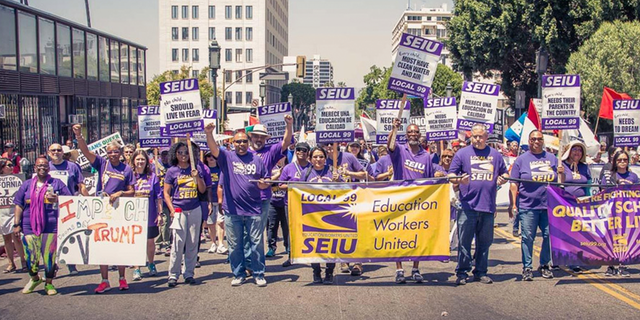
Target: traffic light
{"x": 301, "y": 66}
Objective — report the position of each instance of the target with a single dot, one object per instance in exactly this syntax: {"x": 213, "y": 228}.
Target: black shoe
{"x": 622, "y": 271}
{"x": 72, "y": 269}
{"x": 577, "y": 269}
{"x": 190, "y": 281}
{"x": 461, "y": 280}
{"x": 172, "y": 283}
{"x": 611, "y": 271}
{"x": 356, "y": 270}
{"x": 328, "y": 278}
{"x": 400, "y": 279}
{"x": 527, "y": 274}
{"x": 317, "y": 278}
{"x": 546, "y": 272}
{"x": 286, "y": 264}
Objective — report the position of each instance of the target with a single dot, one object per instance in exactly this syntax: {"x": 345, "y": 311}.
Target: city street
{"x": 290, "y": 294}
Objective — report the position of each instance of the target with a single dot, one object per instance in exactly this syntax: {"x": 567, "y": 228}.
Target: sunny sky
{"x": 352, "y": 34}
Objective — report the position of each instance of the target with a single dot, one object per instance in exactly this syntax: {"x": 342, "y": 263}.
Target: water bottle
{"x": 49, "y": 190}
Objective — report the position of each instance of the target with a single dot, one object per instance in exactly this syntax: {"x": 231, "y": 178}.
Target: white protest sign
{"x": 420, "y": 122}
{"x": 90, "y": 181}
{"x": 92, "y": 231}
{"x": 272, "y": 116}
{"x": 560, "y": 102}
{"x": 149, "y": 124}
{"x": 478, "y": 103}
{"x": 99, "y": 148}
{"x": 415, "y": 65}
{"x": 181, "y": 106}
{"x": 199, "y": 137}
{"x": 386, "y": 112}
{"x": 9, "y": 185}
{"x": 626, "y": 123}
{"x": 441, "y": 119}
{"x": 335, "y": 115}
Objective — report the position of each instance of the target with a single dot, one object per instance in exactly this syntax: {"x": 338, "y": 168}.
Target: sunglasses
{"x": 447, "y": 156}
{"x": 413, "y": 131}
{"x": 536, "y": 139}
{"x": 241, "y": 141}
{"x": 10, "y": 165}
{"x": 55, "y": 150}
{"x": 622, "y": 160}
{"x": 183, "y": 153}
{"x": 113, "y": 152}
{"x": 302, "y": 150}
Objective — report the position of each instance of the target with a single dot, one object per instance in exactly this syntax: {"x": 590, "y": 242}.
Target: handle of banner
{"x": 155, "y": 156}
{"x": 559, "y": 150}
{"x": 392, "y": 138}
{"x": 191, "y": 158}
{"x": 441, "y": 146}
{"x": 335, "y": 157}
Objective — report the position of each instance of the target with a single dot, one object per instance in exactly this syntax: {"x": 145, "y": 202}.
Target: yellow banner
{"x": 343, "y": 223}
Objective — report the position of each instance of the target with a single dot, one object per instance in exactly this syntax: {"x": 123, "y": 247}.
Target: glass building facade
{"x": 54, "y": 72}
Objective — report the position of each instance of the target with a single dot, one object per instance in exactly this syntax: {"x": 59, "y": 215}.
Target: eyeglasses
{"x": 241, "y": 141}
{"x": 113, "y": 152}
{"x": 447, "y": 156}
{"x": 413, "y": 131}
{"x": 318, "y": 157}
{"x": 183, "y": 153}
{"x": 10, "y": 165}
{"x": 55, "y": 150}
{"x": 302, "y": 149}
{"x": 576, "y": 149}
{"x": 536, "y": 139}
{"x": 622, "y": 160}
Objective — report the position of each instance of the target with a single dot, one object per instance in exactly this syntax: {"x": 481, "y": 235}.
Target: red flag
{"x": 532, "y": 115}
{"x": 365, "y": 115}
{"x": 606, "y": 105}
{"x": 253, "y": 120}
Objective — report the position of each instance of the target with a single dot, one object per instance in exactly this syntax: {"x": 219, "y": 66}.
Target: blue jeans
{"x": 479, "y": 224}
{"x": 530, "y": 221}
{"x": 236, "y": 227}
{"x": 264, "y": 214}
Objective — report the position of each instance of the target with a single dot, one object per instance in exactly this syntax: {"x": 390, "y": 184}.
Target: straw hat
{"x": 573, "y": 143}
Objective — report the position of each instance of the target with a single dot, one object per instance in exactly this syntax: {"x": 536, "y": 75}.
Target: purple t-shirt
{"x": 69, "y": 171}
{"x": 184, "y": 188}
{"x": 540, "y": 167}
{"x": 292, "y": 172}
{"x": 324, "y": 175}
{"x": 215, "y": 178}
{"x": 241, "y": 197}
{"x": 203, "y": 197}
{"x": 409, "y": 166}
{"x": 483, "y": 167}
{"x": 346, "y": 162}
{"x": 112, "y": 179}
{"x": 270, "y": 157}
{"x": 439, "y": 168}
{"x": 582, "y": 175}
{"x": 22, "y": 198}
{"x": 382, "y": 166}
{"x": 278, "y": 195}
{"x": 366, "y": 165}
{"x": 148, "y": 186}
{"x": 627, "y": 176}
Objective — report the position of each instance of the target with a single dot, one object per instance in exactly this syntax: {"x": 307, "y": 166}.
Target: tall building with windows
{"x": 251, "y": 33}
{"x": 430, "y": 23}
{"x": 318, "y": 72}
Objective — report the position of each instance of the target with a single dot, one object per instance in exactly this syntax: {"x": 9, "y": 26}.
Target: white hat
{"x": 573, "y": 143}
{"x": 260, "y": 130}
{"x": 66, "y": 149}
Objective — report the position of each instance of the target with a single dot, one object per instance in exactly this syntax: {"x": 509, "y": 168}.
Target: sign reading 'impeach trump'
{"x": 345, "y": 223}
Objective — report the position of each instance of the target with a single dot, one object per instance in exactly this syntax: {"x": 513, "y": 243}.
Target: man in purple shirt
{"x": 482, "y": 169}
{"x": 242, "y": 204}
{"x": 410, "y": 162}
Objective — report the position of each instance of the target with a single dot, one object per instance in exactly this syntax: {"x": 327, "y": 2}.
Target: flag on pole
{"x": 585, "y": 135}
{"x": 530, "y": 123}
{"x": 514, "y": 131}
{"x": 606, "y": 105}
{"x": 368, "y": 127}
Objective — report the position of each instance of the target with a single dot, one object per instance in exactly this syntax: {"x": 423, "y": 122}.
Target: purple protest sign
{"x": 441, "y": 119}
{"x": 199, "y": 137}
{"x": 599, "y": 230}
{"x": 181, "y": 128}
{"x": 626, "y": 123}
{"x": 272, "y": 116}
{"x": 478, "y": 104}
{"x": 415, "y": 65}
{"x": 386, "y": 112}
{"x": 560, "y": 102}
{"x": 335, "y": 115}
{"x": 149, "y": 127}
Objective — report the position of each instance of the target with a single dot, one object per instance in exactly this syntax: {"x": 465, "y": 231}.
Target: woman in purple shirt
{"x": 181, "y": 187}
{"x": 148, "y": 186}
{"x": 321, "y": 172}
{"x": 115, "y": 180}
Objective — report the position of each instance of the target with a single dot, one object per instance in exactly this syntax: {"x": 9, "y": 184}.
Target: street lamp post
{"x": 542, "y": 60}
{"x": 263, "y": 92}
{"x": 214, "y": 65}
{"x": 295, "y": 120}
{"x": 449, "y": 89}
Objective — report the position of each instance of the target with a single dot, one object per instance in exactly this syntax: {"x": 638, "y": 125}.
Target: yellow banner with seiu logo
{"x": 391, "y": 222}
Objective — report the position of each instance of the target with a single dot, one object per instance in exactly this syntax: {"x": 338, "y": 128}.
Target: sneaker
{"x": 461, "y": 280}
{"x": 214, "y": 248}
{"x": 50, "y": 289}
{"x": 270, "y": 253}
{"x": 317, "y": 278}
{"x": 152, "y": 270}
{"x": 167, "y": 253}
{"x": 103, "y": 287}
{"x": 260, "y": 281}
{"x": 356, "y": 270}
{"x": 72, "y": 269}
{"x": 515, "y": 233}
{"x": 622, "y": 271}
{"x": 546, "y": 272}
{"x": 137, "y": 275}
{"x": 577, "y": 269}
{"x": 483, "y": 279}
{"x": 31, "y": 285}
{"x": 286, "y": 264}
{"x": 238, "y": 281}
{"x": 527, "y": 274}
{"x": 416, "y": 276}
{"x": 400, "y": 277}
{"x": 611, "y": 271}
{"x": 123, "y": 284}
{"x": 328, "y": 278}
{"x": 344, "y": 268}
{"x": 190, "y": 281}
{"x": 172, "y": 282}
{"x": 222, "y": 249}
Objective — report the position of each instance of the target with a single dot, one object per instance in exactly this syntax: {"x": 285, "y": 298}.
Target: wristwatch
{"x": 16, "y": 225}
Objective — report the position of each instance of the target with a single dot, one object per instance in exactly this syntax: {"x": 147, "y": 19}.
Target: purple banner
{"x": 603, "y": 229}
{"x": 560, "y": 123}
{"x": 274, "y": 109}
{"x": 184, "y": 127}
{"x": 335, "y": 94}
{"x": 392, "y": 104}
{"x": 626, "y": 104}
{"x": 626, "y": 141}
{"x": 481, "y": 88}
{"x": 421, "y": 44}
{"x": 383, "y": 138}
{"x": 408, "y": 87}
{"x": 179, "y": 86}
{"x": 334, "y": 136}
{"x": 148, "y": 110}
{"x": 155, "y": 142}
{"x": 561, "y": 80}
{"x": 442, "y": 135}
{"x": 439, "y": 102}
{"x": 464, "y": 124}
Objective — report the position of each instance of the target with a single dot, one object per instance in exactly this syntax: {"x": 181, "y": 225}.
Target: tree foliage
{"x": 609, "y": 58}
{"x": 503, "y": 35}
{"x": 303, "y": 94}
{"x": 206, "y": 88}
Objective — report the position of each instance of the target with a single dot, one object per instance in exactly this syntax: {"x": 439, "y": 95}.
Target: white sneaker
{"x": 237, "y": 281}
{"x": 222, "y": 249}
{"x": 261, "y": 282}
{"x": 214, "y": 248}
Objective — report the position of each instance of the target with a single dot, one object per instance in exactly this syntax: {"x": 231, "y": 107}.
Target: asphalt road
{"x": 290, "y": 294}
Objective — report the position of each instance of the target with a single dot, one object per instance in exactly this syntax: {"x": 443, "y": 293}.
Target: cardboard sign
{"x": 272, "y": 116}
{"x": 478, "y": 104}
{"x": 441, "y": 119}
{"x": 92, "y": 231}
{"x": 420, "y": 122}
{"x": 560, "y": 102}
{"x": 335, "y": 115}
{"x": 415, "y": 65}
{"x": 208, "y": 116}
{"x": 626, "y": 123}
{"x": 386, "y": 112}
{"x": 99, "y": 148}
{"x": 181, "y": 106}
{"x": 149, "y": 124}
{"x": 498, "y": 129}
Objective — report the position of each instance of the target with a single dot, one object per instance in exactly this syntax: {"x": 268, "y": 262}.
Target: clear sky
{"x": 352, "y": 34}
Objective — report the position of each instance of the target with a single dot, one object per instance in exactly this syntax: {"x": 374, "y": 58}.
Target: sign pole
{"x": 191, "y": 158}
{"x": 392, "y": 138}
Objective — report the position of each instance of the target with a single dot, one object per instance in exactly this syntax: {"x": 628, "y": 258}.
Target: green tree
{"x": 341, "y": 84}
{"x": 609, "y": 58}
{"x": 206, "y": 88}
{"x": 303, "y": 94}
{"x": 503, "y": 35}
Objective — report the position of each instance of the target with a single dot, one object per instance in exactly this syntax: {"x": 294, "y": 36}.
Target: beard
{"x": 413, "y": 142}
